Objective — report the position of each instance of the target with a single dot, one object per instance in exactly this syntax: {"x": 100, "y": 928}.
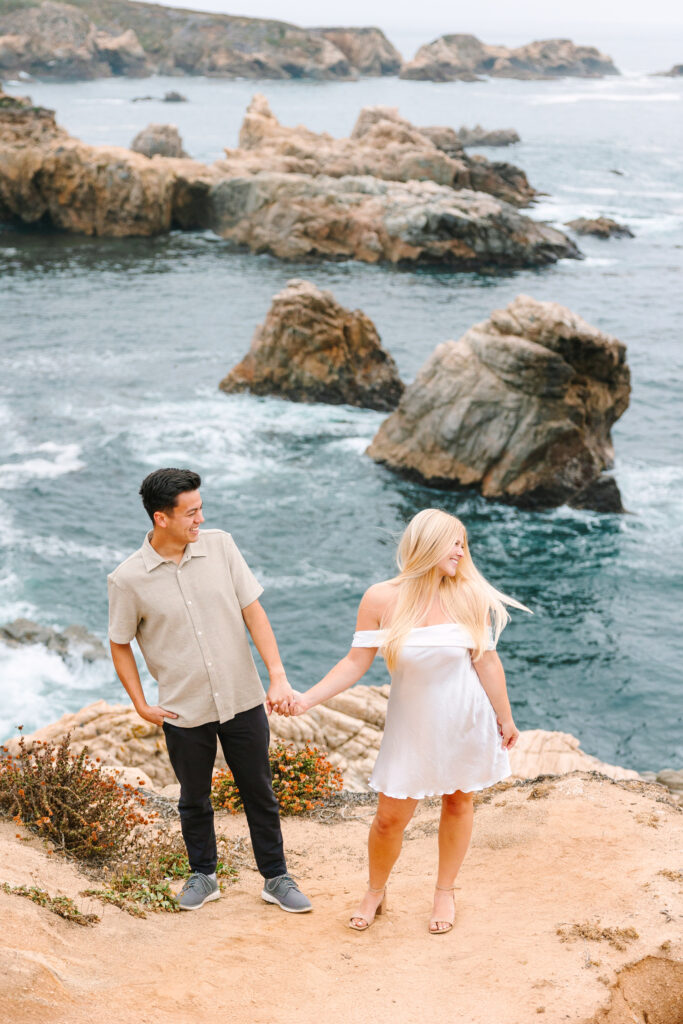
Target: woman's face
{"x": 449, "y": 563}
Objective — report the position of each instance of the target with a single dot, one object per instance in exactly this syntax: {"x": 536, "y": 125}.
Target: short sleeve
{"x": 491, "y": 642}
{"x": 247, "y": 587}
{"x": 123, "y": 614}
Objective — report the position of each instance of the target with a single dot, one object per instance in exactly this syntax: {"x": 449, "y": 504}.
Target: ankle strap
{"x": 442, "y": 888}
{"x": 370, "y": 889}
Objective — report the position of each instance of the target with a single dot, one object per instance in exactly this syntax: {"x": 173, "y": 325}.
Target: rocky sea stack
{"x": 520, "y": 408}
{"x": 463, "y": 57}
{"x": 601, "y": 227}
{"x": 311, "y": 349}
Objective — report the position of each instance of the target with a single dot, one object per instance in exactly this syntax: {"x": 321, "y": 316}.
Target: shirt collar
{"x": 151, "y": 558}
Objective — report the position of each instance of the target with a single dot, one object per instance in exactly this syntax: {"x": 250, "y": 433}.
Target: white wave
{"x": 577, "y": 97}
{"x": 39, "y": 686}
{"x": 65, "y": 458}
{"x": 307, "y": 576}
{"x": 598, "y": 261}
{"x": 8, "y": 251}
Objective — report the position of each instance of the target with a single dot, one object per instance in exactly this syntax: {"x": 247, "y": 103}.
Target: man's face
{"x": 181, "y": 524}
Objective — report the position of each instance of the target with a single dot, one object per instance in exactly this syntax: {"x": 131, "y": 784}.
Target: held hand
{"x": 279, "y": 697}
{"x": 509, "y": 732}
{"x": 154, "y": 714}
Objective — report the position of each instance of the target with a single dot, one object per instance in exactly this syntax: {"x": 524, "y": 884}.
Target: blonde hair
{"x": 466, "y": 598}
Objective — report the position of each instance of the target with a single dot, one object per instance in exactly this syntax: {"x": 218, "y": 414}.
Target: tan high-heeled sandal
{"x": 441, "y": 920}
{"x": 381, "y": 906}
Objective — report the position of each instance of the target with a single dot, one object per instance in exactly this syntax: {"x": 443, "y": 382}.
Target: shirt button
{"x": 209, "y": 664}
{"x": 199, "y": 632}
{"x": 189, "y": 602}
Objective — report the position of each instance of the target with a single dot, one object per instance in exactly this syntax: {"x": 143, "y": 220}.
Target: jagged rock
{"x": 601, "y": 227}
{"x": 91, "y": 40}
{"x": 464, "y": 57}
{"x": 382, "y": 144}
{"x": 675, "y": 72}
{"x": 73, "y": 640}
{"x": 601, "y": 495}
{"x": 445, "y": 139}
{"x": 366, "y": 49}
{"x": 99, "y": 190}
{"x": 158, "y": 140}
{"x": 174, "y": 97}
{"x": 520, "y": 408}
{"x": 311, "y": 349}
{"x": 479, "y": 136}
{"x": 348, "y": 726}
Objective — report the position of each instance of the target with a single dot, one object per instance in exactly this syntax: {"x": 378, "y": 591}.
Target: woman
{"x": 449, "y": 725}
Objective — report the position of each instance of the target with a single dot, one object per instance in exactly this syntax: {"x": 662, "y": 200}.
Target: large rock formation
{"x": 48, "y": 177}
{"x": 520, "y": 408}
{"x": 296, "y": 216}
{"x": 91, "y": 40}
{"x": 464, "y": 57}
{"x": 601, "y": 227}
{"x": 348, "y": 726}
{"x": 311, "y": 349}
{"x": 367, "y": 49}
{"x": 158, "y": 140}
{"x": 382, "y": 144}
{"x": 56, "y": 40}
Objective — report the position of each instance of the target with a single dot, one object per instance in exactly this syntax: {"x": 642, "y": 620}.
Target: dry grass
{"x": 62, "y": 906}
{"x": 594, "y": 931}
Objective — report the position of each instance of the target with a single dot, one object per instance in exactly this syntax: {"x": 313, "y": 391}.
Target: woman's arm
{"x": 492, "y": 677}
{"x": 356, "y": 663}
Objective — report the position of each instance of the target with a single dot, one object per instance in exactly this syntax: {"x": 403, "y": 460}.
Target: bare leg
{"x": 455, "y": 832}
{"x": 384, "y": 846}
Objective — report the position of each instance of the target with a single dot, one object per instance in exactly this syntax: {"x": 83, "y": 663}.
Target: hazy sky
{"x": 485, "y": 16}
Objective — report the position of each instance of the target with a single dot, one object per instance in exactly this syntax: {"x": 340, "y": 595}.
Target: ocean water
{"x": 111, "y": 352}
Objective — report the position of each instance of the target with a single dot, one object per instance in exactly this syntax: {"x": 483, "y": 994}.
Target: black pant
{"x": 244, "y": 740}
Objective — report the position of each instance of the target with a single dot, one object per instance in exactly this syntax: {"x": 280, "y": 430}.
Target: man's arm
{"x": 127, "y": 671}
{"x": 280, "y": 694}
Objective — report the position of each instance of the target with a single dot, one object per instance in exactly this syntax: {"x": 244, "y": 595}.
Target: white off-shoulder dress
{"x": 441, "y": 733}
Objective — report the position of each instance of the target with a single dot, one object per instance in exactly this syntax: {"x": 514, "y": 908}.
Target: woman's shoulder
{"x": 374, "y": 604}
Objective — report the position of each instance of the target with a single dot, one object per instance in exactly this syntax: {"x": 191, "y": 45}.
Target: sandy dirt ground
{"x": 580, "y": 849}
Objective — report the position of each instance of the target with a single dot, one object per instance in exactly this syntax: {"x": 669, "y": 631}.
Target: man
{"x": 186, "y": 596}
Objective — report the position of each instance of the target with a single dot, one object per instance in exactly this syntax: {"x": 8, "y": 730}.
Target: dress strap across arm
{"x": 368, "y": 638}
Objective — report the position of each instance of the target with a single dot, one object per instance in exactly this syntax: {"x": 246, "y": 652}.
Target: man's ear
{"x": 160, "y": 519}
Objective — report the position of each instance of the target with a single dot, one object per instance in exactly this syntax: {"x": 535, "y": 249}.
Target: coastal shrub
{"x": 302, "y": 779}
{"x": 140, "y": 881}
{"x": 70, "y": 800}
{"x": 63, "y": 906}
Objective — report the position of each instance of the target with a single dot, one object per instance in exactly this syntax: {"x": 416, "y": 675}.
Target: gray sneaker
{"x": 284, "y": 891}
{"x": 198, "y": 890}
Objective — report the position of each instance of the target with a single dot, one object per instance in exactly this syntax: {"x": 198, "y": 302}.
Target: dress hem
{"x": 442, "y": 792}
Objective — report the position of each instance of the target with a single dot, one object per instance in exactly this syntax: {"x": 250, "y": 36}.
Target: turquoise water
{"x": 111, "y": 352}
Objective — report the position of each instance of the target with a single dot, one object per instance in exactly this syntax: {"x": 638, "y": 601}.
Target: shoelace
{"x": 193, "y": 882}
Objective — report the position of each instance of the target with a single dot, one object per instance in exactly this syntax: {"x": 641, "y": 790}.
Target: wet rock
{"x": 601, "y": 227}
{"x": 601, "y": 495}
{"x": 311, "y": 349}
{"x": 367, "y": 49}
{"x": 158, "y": 140}
{"x": 466, "y": 58}
{"x": 520, "y": 408}
{"x": 73, "y": 640}
{"x": 174, "y": 97}
{"x": 479, "y": 136}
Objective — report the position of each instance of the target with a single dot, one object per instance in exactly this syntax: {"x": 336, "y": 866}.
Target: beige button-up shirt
{"x": 187, "y": 620}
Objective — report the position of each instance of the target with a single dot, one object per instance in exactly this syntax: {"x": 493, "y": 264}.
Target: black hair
{"x": 160, "y": 489}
